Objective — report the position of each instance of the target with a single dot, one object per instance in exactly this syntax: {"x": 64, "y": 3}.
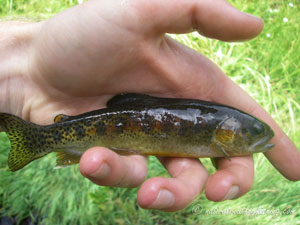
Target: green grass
{"x": 33, "y": 9}
{"x": 266, "y": 67}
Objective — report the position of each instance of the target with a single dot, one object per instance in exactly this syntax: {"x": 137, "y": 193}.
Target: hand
{"x": 83, "y": 56}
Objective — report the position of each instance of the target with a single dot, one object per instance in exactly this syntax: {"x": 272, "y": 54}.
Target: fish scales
{"x": 140, "y": 124}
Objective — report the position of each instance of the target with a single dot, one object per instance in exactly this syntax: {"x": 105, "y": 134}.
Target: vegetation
{"x": 266, "y": 67}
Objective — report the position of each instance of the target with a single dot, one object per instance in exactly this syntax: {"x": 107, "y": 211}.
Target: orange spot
{"x": 156, "y": 126}
{"x": 58, "y": 118}
{"x": 91, "y": 131}
{"x": 132, "y": 125}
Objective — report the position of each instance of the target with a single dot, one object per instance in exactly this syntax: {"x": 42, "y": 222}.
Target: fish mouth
{"x": 262, "y": 145}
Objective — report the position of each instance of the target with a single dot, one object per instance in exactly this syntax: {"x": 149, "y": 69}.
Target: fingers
{"x": 171, "y": 194}
{"x": 105, "y": 167}
{"x": 232, "y": 179}
{"x": 214, "y": 19}
{"x": 285, "y": 156}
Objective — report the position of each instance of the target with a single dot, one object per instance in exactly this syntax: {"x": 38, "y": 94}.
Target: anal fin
{"x": 66, "y": 158}
{"x": 124, "y": 152}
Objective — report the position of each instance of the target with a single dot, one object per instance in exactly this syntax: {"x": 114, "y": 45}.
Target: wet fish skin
{"x": 140, "y": 124}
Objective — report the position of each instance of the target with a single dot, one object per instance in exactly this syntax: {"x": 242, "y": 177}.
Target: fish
{"x": 140, "y": 124}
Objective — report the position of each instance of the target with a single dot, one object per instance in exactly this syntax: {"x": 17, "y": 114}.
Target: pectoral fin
{"x": 219, "y": 147}
{"x": 224, "y": 153}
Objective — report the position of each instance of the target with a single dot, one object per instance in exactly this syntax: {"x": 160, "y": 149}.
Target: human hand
{"x": 83, "y": 56}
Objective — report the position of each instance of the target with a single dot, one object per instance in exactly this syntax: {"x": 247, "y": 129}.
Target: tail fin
{"x": 22, "y": 135}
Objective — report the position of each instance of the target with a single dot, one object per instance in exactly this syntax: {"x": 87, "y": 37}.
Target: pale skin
{"x": 75, "y": 61}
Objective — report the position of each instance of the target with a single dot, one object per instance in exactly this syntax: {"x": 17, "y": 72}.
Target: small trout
{"x": 140, "y": 124}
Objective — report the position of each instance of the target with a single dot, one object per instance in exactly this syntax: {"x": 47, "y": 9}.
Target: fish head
{"x": 256, "y": 134}
{"x": 243, "y": 135}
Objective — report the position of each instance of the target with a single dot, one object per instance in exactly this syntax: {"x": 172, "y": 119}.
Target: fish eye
{"x": 258, "y": 129}
{"x": 246, "y": 134}
{"x": 252, "y": 131}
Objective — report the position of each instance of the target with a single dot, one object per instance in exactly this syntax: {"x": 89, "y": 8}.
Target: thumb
{"x": 215, "y": 19}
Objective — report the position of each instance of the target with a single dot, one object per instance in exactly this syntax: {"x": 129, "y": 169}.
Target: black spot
{"x": 120, "y": 120}
{"x": 67, "y": 129}
{"x": 146, "y": 128}
{"x": 183, "y": 128}
{"x": 56, "y": 135}
{"x": 87, "y": 122}
{"x": 119, "y": 127}
{"x": 197, "y": 128}
{"x": 80, "y": 131}
{"x": 100, "y": 128}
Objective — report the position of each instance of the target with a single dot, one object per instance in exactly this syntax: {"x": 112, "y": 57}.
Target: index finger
{"x": 200, "y": 78}
{"x": 284, "y": 156}
{"x": 214, "y": 19}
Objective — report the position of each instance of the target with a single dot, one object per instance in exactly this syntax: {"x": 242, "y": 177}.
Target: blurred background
{"x": 268, "y": 68}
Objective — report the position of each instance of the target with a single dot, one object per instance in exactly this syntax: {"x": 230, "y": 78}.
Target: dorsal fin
{"x": 61, "y": 118}
{"x": 130, "y": 99}
{"x": 141, "y": 100}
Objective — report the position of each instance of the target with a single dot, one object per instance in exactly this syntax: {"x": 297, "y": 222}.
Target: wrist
{"x": 16, "y": 47}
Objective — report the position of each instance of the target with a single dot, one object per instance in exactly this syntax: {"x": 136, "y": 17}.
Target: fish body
{"x": 140, "y": 124}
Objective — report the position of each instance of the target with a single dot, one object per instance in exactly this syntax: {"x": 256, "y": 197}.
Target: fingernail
{"x": 232, "y": 193}
{"x": 163, "y": 200}
{"x": 102, "y": 172}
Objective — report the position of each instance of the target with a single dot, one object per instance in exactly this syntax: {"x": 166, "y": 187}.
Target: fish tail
{"x": 23, "y": 137}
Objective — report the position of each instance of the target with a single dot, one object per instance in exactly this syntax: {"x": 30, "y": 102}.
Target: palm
{"x": 78, "y": 76}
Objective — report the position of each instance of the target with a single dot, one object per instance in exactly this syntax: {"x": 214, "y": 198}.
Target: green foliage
{"x": 33, "y": 9}
{"x": 266, "y": 67}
